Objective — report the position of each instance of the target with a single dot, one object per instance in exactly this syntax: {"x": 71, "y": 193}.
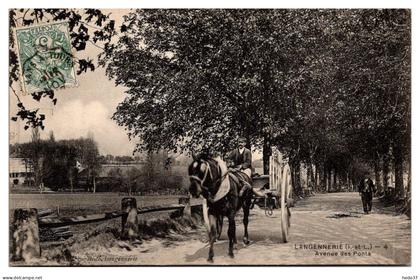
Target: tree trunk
{"x": 399, "y": 171}
{"x": 409, "y": 175}
{"x": 305, "y": 176}
{"x": 385, "y": 173}
{"x": 292, "y": 177}
{"x": 377, "y": 168}
{"x": 351, "y": 187}
{"x": 329, "y": 184}
{"x": 298, "y": 178}
{"x": 308, "y": 177}
{"x": 311, "y": 176}
{"x": 38, "y": 174}
{"x": 71, "y": 178}
{"x": 347, "y": 181}
{"x": 71, "y": 183}
{"x": 266, "y": 156}
{"x": 297, "y": 184}
{"x": 94, "y": 184}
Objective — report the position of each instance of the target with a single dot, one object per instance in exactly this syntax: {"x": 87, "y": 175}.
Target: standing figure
{"x": 366, "y": 190}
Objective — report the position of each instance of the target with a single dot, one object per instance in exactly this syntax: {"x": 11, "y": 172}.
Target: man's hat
{"x": 241, "y": 139}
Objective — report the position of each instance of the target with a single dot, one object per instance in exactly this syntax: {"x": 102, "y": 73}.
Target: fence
{"x": 27, "y": 224}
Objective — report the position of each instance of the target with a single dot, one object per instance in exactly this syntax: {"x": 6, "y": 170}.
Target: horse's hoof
{"x": 231, "y": 255}
{"x": 210, "y": 260}
{"x": 246, "y": 241}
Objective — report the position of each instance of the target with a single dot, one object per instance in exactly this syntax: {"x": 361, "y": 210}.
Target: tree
{"x": 36, "y": 151}
{"x": 54, "y": 162}
{"x": 326, "y": 87}
{"x": 47, "y": 159}
{"x": 88, "y": 156}
{"x": 378, "y": 89}
{"x": 200, "y": 56}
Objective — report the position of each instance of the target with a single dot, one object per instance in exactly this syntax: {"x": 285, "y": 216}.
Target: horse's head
{"x": 201, "y": 174}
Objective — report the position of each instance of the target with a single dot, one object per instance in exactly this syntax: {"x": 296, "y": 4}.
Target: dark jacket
{"x": 367, "y": 186}
{"x": 244, "y": 159}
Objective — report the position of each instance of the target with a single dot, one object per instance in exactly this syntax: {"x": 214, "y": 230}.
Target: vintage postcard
{"x": 185, "y": 137}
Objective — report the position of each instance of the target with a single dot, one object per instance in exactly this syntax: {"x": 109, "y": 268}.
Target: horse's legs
{"x": 245, "y": 208}
{"x": 212, "y": 236}
{"x": 231, "y": 232}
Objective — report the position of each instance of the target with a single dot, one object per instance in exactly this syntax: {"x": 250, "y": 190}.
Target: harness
{"x": 207, "y": 172}
{"x": 269, "y": 203}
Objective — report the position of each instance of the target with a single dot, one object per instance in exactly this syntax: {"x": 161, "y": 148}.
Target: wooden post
{"x": 187, "y": 207}
{"x": 129, "y": 222}
{"x": 25, "y": 236}
{"x": 94, "y": 184}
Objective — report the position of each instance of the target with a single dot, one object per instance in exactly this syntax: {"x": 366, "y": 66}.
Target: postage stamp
{"x": 46, "y": 60}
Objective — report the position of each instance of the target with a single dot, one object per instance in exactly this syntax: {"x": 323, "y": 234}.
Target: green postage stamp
{"x": 46, "y": 60}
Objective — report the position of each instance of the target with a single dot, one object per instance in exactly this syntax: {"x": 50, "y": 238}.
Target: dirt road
{"x": 315, "y": 238}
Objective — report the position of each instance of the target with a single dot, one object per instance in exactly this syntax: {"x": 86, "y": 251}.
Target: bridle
{"x": 206, "y": 172}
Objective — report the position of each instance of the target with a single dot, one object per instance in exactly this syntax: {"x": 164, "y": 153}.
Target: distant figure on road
{"x": 366, "y": 190}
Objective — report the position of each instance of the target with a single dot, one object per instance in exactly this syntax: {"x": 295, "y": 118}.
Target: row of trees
{"x": 143, "y": 180}
{"x": 76, "y": 163}
{"x": 328, "y": 88}
{"x": 56, "y": 164}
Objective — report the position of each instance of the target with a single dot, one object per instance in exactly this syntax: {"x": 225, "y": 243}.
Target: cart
{"x": 278, "y": 186}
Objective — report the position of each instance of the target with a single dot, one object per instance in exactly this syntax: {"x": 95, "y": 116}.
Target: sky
{"x": 82, "y": 110}
{"x": 86, "y": 108}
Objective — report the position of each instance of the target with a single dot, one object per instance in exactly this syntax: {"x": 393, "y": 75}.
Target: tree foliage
{"x": 54, "y": 162}
{"x": 315, "y": 83}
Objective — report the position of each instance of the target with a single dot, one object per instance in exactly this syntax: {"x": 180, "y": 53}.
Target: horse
{"x": 206, "y": 177}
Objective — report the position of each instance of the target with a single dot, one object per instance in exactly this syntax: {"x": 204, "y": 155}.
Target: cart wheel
{"x": 284, "y": 209}
{"x": 219, "y": 226}
{"x": 285, "y": 223}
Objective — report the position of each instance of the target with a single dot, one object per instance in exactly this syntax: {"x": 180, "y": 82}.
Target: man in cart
{"x": 240, "y": 160}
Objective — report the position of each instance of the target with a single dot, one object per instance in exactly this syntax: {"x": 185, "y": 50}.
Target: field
{"x": 89, "y": 202}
